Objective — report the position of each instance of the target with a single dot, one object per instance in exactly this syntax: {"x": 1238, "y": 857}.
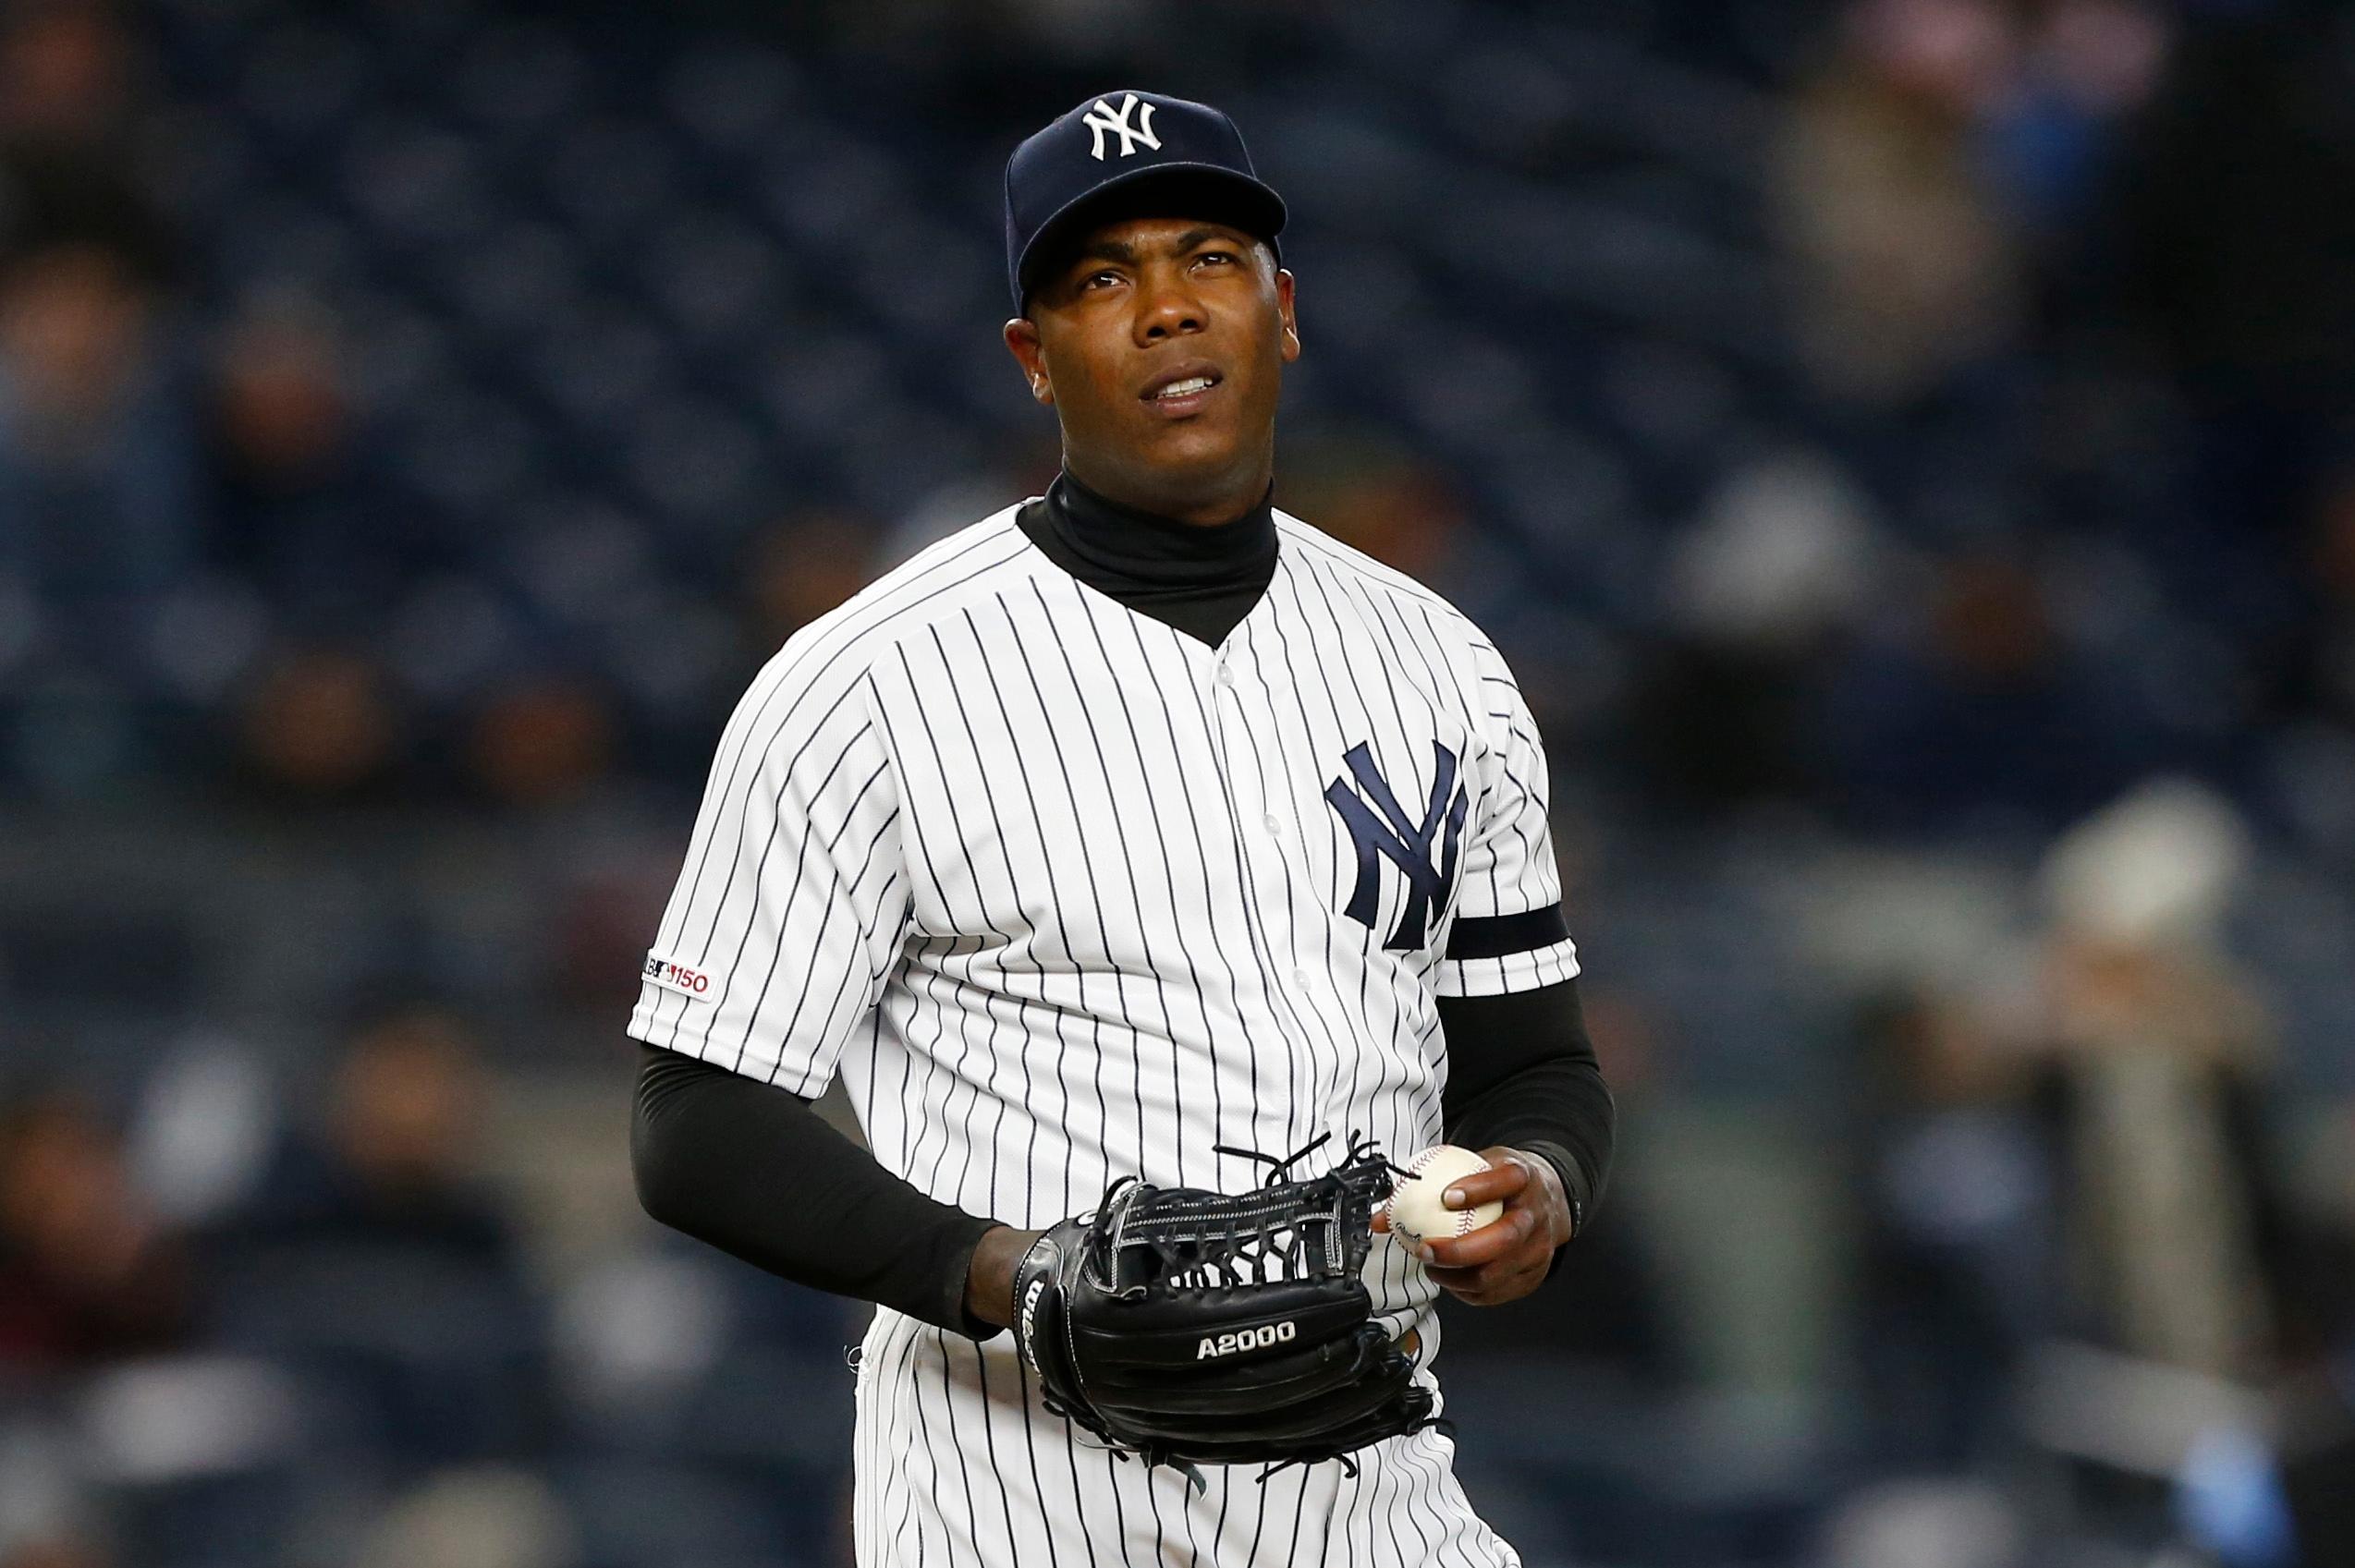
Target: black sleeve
{"x": 1521, "y": 1072}
{"x": 714, "y": 1152}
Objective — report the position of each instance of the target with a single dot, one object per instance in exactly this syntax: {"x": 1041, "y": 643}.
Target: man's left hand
{"x": 1508, "y": 1259}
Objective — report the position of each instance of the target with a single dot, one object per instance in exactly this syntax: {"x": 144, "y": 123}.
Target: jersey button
{"x": 1300, "y": 979}
{"x": 1275, "y": 828}
{"x": 1226, "y": 675}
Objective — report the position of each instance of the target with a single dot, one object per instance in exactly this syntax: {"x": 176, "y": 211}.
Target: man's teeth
{"x": 1180, "y": 388}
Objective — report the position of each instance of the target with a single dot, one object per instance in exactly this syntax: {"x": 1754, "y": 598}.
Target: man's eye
{"x": 1094, "y": 278}
{"x": 1219, "y": 255}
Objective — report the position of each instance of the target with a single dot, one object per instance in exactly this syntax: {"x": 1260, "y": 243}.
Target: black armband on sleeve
{"x": 715, "y": 1153}
{"x": 1521, "y": 1073}
{"x": 1496, "y": 936}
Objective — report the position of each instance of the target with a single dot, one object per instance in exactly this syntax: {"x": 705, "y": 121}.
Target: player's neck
{"x": 1215, "y": 507}
{"x": 1125, "y": 539}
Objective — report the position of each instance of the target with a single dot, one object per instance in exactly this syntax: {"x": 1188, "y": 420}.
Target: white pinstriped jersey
{"x": 1060, "y": 894}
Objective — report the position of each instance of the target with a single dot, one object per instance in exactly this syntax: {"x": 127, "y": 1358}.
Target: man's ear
{"x": 1022, "y": 342}
{"x": 1284, "y": 308}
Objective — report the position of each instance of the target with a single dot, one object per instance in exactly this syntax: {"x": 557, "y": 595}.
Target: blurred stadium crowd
{"x": 1905, "y": 445}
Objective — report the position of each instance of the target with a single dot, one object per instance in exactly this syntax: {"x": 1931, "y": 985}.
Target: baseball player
{"x": 1137, "y": 830}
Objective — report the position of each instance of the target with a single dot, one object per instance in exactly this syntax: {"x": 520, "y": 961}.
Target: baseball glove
{"x": 1195, "y": 1328}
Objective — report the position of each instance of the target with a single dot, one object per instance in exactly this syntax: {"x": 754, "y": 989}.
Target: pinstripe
{"x": 1391, "y": 1260}
{"x": 989, "y": 1441}
{"x": 1402, "y": 743}
{"x": 843, "y": 984}
{"x": 1087, "y": 863}
{"x": 1119, "y": 1507}
{"x": 1300, "y": 1513}
{"x": 1136, "y": 898}
{"x": 956, "y": 837}
{"x": 1258, "y": 1524}
{"x": 864, "y": 1476}
{"x": 1426, "y": 1495}
{"x": 1332, "y": 1506}
{"x": 788, "y": 676}
{"x": 1386, "y": 1478}
{"x": 900, "y": 1329}
{"x": 1169, "y": 886}
{"x": 1429, "y": 705}
{"x": 1314, "y": 1026}
{"x": 1421, "y": 1450}
{"x": 1351, "y": 1518}
{"x": 1168, "y": 883}
{"x": 937, "y": 1493}
{"x": 965, "y": 1020}
{"x": 1015, "y": 893}
{"x": 1307, "y": 767}
{"x": 900, "y": 1379}
{"x": 1160, "y": 1530}
{"x": 1030, "y": 1446}
{"x": 1054, "y": 895}
{"x": 760, "y": 868}
{"x": 768, "y": 975}
{"x": 1394, "y": 1278}
{"x": 939, "y": 1017}
{"x": 1211, "y": 923}
{"x": 937, "y": 1067}
{"x": 1268, "y": 983}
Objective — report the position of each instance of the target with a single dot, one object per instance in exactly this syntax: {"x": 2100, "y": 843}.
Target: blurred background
{"x": 1906, "y": 447}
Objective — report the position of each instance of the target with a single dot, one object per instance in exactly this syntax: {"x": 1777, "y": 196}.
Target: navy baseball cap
{"x": 1119, "y": 141}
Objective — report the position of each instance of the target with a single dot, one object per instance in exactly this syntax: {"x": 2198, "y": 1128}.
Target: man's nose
{"x": 1170, "y": 308}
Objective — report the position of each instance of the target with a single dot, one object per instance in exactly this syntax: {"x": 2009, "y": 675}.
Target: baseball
{"x": 1417, "y": 1209}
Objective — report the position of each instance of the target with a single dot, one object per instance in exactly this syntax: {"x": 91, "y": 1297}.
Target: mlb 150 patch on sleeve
{"x": 671, "y": 975}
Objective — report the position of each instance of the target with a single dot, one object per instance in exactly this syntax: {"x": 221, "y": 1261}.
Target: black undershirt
{"x": 712, "y": 1149}
{"x": 1201, "y": 580}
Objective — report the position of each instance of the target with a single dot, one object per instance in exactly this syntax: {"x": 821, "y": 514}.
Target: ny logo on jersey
{"x": 1408, "y": 844}
{"x": 1105, "y": 118}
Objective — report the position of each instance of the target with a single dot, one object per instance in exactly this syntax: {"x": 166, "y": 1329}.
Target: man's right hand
{"x": 989, "y": 1282}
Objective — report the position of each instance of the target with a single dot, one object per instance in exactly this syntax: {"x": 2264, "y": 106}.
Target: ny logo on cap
{"x": 1424, "y": 850}
{"x": 1105, "y": 118}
